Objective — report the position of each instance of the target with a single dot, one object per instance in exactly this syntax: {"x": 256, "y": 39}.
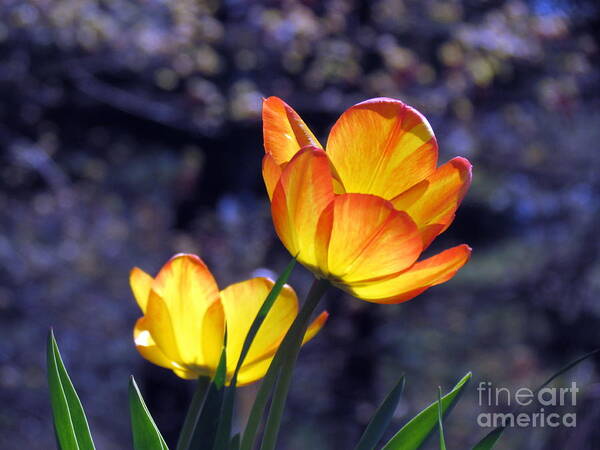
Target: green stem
{"x": 191, "y": 419}
{"x": 293, "y": 342}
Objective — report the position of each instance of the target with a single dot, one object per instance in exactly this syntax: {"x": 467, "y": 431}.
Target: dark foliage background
{"x": 130, "y": 130}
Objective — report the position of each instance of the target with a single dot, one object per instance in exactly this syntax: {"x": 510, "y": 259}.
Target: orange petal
{"x": 284, "y": 131}
{"x": 413, "y": 281}
{"x": 184, "y": 291}
{"x": 432, "y": 203}
{"x": 140, "y": 283}
{"x": 362, "y": 237}
{"x": 315, "y": 326}
{"x": 303, "y": 192}
{"x": 147, "y": 347}
{"x": 255, "y": 370}
{"x": 241, "y": 302}
{"x": 271, "y": 173}
{"x": 382, "y": 147}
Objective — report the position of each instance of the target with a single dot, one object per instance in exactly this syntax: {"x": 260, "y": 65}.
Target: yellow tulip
{"x": 360, "y": 211}
{"x": 185, "y": 316}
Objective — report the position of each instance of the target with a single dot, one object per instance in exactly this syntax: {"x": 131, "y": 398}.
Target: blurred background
{"x": 130, "y": 130}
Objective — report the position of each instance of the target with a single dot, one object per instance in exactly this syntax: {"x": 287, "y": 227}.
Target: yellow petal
{"x": 158, "y": 322}
{"x": 413, "y": 281}
{"x": 432, "y": 203}
{"x": 303, "y": 192}
{"x": 147, "y": 347}
{"x": 382, "y": 147}
{"x": 140, "y": 283}
{"x": 186, "y": 290}
{"x": 254, "y": 371}
{"x": 284, "y": 131}
{"x": 249, "y": 373}
{"x": 213, "y": 334}
{"x": 362, "y": 237}
{"x": 241, "y": 302}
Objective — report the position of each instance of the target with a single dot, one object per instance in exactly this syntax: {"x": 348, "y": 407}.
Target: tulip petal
{"x": 284, "y": 132}
{"x": 415, "y": 280}
{"x": 184, "y": 291}
{"x": 271, "y": 173}
{"x": 241, "y": 302}
{"x": 303, "y": 192}
{"x": 432, "y": 203}
{"x": 382, "y": 147}
{"x": 315, "y": 326}
{"x": 147, "y": 347}
{"x": 160, "y": 326}
{"x": 362, "y": 237}
{"x": 255, "y": 370}
{"x": 213, "y": 335}
{"x": 140, "y": 283}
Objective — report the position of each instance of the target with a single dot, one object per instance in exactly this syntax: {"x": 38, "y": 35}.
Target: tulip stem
{"x": 191, "y": 419}
{"x": 291, "y": 347}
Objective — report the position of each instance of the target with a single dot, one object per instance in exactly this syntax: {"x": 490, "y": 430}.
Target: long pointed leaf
{"x": 187, "y": 430}
{"x": 235, "y": 442}
{"x": 146, "y": 435}
{"x": 70, "y": 424}
{"x": 289, "y": 349}
{"x": 489, "y": 440}
{"x": 441, "y": 419}
{"x": 412, "y": 435}
{"x": 382, "y": 418}
{"x": 223, "y": 433}
{"x": 269, "y": 381}
{"x": 260, "y": 403}
{"x": 207, "y": 422}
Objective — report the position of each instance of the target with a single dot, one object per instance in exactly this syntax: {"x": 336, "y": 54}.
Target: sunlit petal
{"x": 413, "y": 281}
{"x": 241, "y": 302}
{"x": 187, "y": 290}
{"x": 432, "y": 203}
{"x": 303, "y": 192}
{"x": 382, "y": 147}
{"x": 140, "y": 283}
{"x": 315, "y": 326}
{"x": 160, "y": 326}
{"x": 367, "y": 238}
{"x": 147, "y": 347}
{"x": 271, "y": 173}
{"x": 284, "y": 132}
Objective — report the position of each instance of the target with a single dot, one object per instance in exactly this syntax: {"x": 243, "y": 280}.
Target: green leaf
{"x": 440, "y": 419}
{"x": 412, "y": 435}
{"x": 70, "y": 424}
{"x": 289, "y": 349}
{"x": 146, "y": 435}
{"x": 260, "y": 403}
{"x": 382, "y": 418}
{"x": 185, "y": 435}
{"x": 235, "y": 442}
{"x": 490, "y": 439}
{"x": 206, "y": 421}
{"x": 224, "y": 429}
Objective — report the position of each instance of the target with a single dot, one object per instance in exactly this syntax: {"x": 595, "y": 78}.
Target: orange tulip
{"x": 185, "y": 317}
{"x": 361, "y": 212}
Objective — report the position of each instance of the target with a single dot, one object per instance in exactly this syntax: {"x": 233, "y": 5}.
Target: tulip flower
{"x": 185, "y": 317}
{"x": 360, "y": 211}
